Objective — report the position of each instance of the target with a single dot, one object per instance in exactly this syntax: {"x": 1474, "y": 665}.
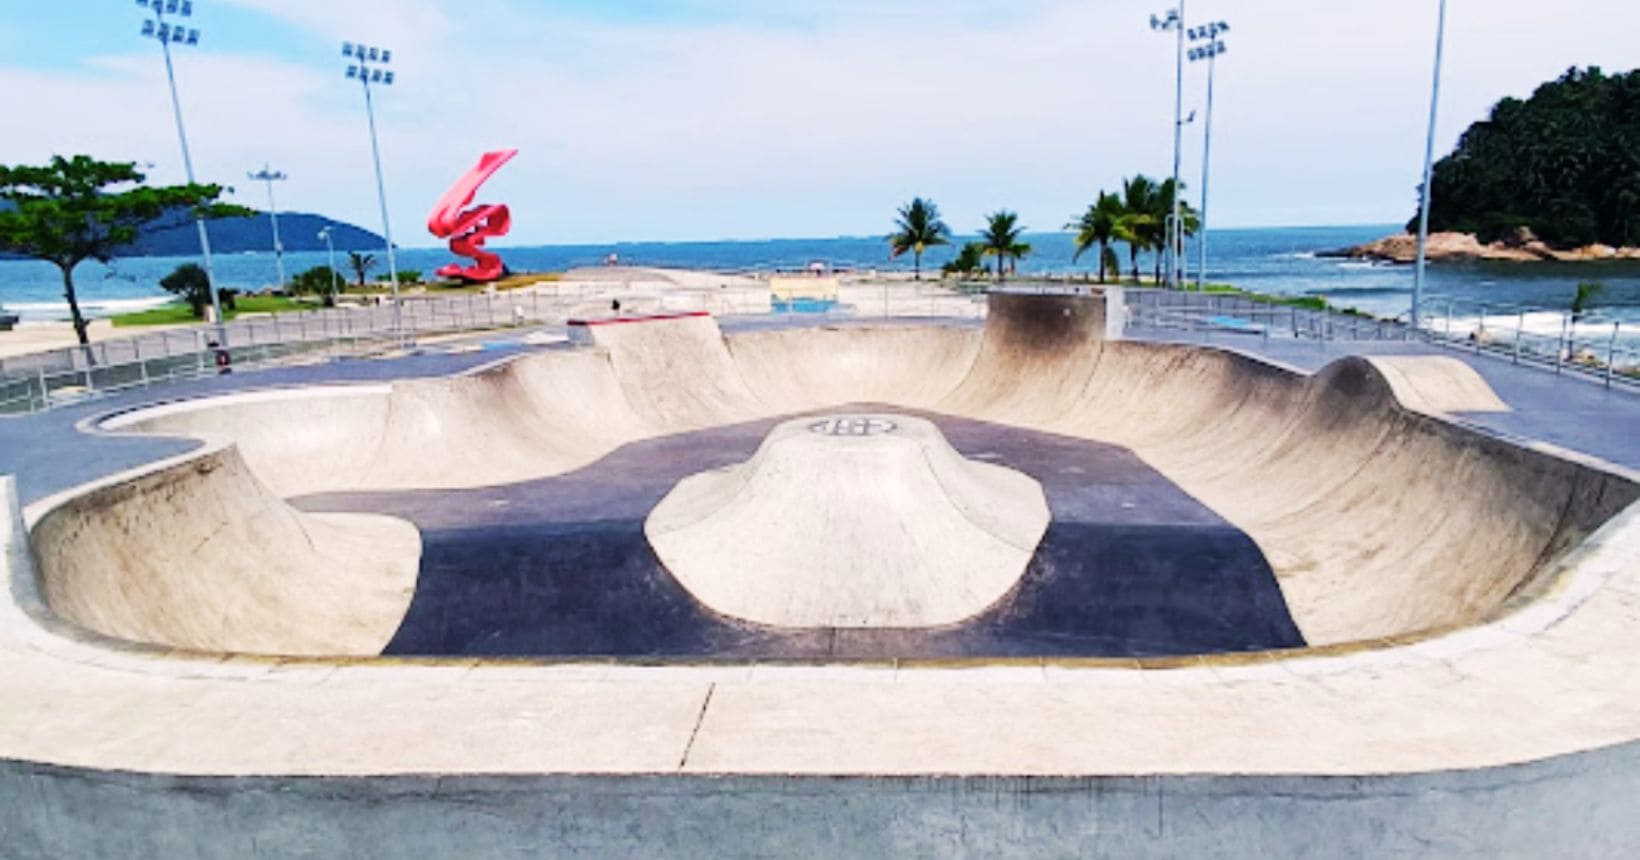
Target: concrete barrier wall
{"x": 1578, "y": 806}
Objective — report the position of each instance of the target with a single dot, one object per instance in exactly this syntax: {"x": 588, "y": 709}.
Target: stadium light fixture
{"x": 1173, "y": 21}
{"x": 1211, "y": 47}
{"x": 167, "y": 32}
{"x": 270, "y": 176}
{"x": 365, "y": 66}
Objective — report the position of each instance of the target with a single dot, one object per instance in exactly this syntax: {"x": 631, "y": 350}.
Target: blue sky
{"x": 701, "y": 119}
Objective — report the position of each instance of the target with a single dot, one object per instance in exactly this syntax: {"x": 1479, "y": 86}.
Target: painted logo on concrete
{"x": 854, "y": 425}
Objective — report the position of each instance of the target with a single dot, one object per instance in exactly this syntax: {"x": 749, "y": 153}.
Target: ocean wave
{"x": 1344, "y": 290}
{"x": 91, "y": 308}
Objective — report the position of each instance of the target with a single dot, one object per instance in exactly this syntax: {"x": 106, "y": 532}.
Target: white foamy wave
{"x": 92, "y": 309}
{"x": 1538, "y": 327}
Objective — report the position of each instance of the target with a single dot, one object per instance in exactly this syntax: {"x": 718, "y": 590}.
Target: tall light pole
{"x": 163, "y": 31}
{"x": 1424, "y": 193}
{"x": 270, "y": 176}
{"x": 330, "y": 246}
{"x": 366, "y": 69}
{"x": 1173, "y": 21}
{"x": 1210, "y": 52}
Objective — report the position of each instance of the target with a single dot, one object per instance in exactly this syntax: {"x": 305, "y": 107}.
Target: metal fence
{"x": 1170, "y": 310}
{"x": 42, "y": 380}
{"x": 1598, "y": 344}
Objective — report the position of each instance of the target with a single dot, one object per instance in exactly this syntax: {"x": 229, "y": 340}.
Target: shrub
{"x": 317, "y": 281}
{"x": 191, "y": 284}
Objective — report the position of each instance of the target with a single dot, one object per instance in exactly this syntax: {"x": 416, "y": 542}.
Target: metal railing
{"x": 39, "y": 381}
{"x": 1173, "y": 310}
{"x": 1593, "y": 344}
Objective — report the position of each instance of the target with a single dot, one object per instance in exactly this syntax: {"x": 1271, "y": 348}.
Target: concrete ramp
{"x": 853, "y": 521}
{"x": 1037, "y": 358}
{"x": 197, "y": 554}
{"x": 676, "y": 373}
{"x": 1437, "y": 385}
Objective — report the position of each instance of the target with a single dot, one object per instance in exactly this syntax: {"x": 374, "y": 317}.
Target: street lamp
{"x": 1424, "y": 194}
{"x": 366, "y": 68}
{"x": 335, "y": 277}
{"x": 1173, "y": 22}
{"x": 270, "y": 176}
{"x": 1210, "y": 51}
{"x": 166, "y": 34}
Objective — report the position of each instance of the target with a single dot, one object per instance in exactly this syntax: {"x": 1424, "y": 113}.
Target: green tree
{"x": 1563, "y": 165}
{"x": 919, "y": 228}
{"x": 361, "y": 264}
{"x": 77, "y": 209}
{"x": 1587, "y": 292}
{"x": 1097, "y": 227}
{"x": 1001, "y": 239}
{"x": 317, "y": 281}
{"x": 969, "y": 260}
{"x": 1138, "y": 226}
{"x": 190, "y": 282}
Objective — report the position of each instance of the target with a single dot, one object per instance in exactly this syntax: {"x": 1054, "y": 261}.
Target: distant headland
{"x": 1523, "y": 247}
{"x": 1555, "y": 177}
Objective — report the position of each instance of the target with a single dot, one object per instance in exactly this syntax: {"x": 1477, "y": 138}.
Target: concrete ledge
{"x": 1578, "y": 805}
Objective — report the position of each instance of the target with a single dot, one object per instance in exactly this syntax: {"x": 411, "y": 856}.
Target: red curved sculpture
{"x": 467, "y": 230}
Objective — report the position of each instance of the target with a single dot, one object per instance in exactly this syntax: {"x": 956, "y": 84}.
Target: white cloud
{"x": 819, "y": 118}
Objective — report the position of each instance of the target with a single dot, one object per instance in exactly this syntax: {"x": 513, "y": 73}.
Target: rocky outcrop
{"x": 1443, "y": 247}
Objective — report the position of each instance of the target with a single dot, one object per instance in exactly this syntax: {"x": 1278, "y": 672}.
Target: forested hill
{"x": 175, "y": 235}
{"x": 1564, "y": 164}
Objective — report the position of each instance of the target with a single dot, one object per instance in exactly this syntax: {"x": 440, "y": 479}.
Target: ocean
{"x": 1269, "y": 260}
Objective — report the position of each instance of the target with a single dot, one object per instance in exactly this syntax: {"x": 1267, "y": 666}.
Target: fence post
{"x": 1611, "y": 352}
{"x": 1520, "y": 327}
{"x": 1560, "y": 348}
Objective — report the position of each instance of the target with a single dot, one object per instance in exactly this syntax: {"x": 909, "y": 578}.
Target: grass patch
{"x": 179, "y": 313}
{"x": 1308, "y": 303}
{"x": 511, "y": 282}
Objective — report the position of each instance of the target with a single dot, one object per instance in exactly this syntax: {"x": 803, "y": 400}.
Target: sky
{"x": 681, "y": 120}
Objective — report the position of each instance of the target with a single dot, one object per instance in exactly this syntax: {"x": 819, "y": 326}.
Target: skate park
{"x": 986, "y": 577}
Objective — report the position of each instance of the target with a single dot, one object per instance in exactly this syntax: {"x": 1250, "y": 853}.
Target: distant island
{"x": 1555, "y": 177}
{"x": 174, "y": 235}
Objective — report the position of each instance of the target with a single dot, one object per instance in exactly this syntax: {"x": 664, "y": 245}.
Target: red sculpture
{"x": 467, "y": 230}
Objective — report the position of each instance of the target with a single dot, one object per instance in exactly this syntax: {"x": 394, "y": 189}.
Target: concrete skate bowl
{"x": 671, "y": 493}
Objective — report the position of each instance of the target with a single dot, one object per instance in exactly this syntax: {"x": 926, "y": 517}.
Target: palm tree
{"x": 361, "y": 264}
{"x": 1001, "y": 240}
{"x": 1138, "y": 226}
{"x": 920, "y": 228}
{"x": 1162, "y": 211}
{"x": 1098, "y": 227}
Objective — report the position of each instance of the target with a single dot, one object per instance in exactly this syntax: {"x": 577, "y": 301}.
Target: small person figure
{"x": 224, "y": 361}
{"x": 615, "y": 306}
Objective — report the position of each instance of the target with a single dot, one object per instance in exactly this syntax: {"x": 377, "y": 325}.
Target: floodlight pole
{"x": 1175, "y": 244}
{"x": 270, "y": 176}
{"x": 161, "y": 34}
{"x": 1424, "y": 191}
{"x": 330, "y": 246}
{"x": 364, "y": 74}
{"x": 1211, "y": 53}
